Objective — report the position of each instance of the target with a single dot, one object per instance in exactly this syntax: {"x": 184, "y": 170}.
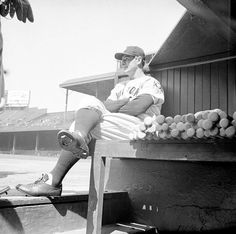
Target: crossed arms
{"x": 135, "y": 107}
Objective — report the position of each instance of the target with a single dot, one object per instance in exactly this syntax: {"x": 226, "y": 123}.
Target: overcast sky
{"x": 76, "y": 38}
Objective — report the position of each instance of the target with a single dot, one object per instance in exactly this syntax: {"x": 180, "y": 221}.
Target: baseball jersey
{"x": 142, "y": 85}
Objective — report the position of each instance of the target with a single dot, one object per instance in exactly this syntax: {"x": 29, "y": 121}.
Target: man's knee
{"x": 88, "y": 101}
{"x": 92, "y": 103}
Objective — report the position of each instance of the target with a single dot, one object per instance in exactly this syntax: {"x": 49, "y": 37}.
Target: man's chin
{"x": 121, "y": 73}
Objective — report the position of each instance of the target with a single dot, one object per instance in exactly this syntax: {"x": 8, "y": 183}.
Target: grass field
{"x": 15, "y": 169}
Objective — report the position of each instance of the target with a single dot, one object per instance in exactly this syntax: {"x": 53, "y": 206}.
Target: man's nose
{"x": 123, "y": 65}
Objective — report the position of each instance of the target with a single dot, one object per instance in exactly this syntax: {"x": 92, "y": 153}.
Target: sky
{"x": 77, "y": 38}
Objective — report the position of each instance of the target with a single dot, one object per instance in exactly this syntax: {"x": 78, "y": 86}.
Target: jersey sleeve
{"x": 153, "y": 87}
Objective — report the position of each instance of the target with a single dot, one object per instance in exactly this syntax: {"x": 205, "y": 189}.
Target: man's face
{"x": 125, "y": 61}
{"x": 129, "y": 65}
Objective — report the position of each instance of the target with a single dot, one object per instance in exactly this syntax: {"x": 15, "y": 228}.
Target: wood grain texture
{"x": 206, "y": 87}
{"x": 191, "y": 85}
{"x": 42, "y": 215}
{"x": 231, "y": 86}
{"x": 170, "y": 150}
{"x": 96, "y": 192}
{"x": 183, "y": 92}
{"x": 200, "y": 87}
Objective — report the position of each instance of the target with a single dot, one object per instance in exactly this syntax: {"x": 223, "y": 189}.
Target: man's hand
{"x": 22, "y": 9}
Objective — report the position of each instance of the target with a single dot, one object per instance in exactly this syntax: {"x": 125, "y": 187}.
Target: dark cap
{"x": 131, "y": 51}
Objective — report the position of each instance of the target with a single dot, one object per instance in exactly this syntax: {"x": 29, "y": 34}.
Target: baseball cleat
{"x": 73, "y": 142}
{"x": 40, "y": 188}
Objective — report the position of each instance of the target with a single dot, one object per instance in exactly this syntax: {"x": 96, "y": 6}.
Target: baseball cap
{"x": 131, "y": 51}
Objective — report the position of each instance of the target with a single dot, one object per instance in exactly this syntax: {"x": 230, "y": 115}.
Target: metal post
{"x": 37, "y": 144}
{"x": 14, "y": 144}
{"x": 66, "y": 105}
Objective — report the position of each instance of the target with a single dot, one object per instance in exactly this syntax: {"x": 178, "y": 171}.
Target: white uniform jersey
{"x": 139, "y": 86}
{"x": 118, "y": 126}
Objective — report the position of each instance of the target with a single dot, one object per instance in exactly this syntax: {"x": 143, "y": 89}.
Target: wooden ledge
{"x": 14, "y": 199}
{"x": 217, "y": 150}
{"x": 21, "y": 214}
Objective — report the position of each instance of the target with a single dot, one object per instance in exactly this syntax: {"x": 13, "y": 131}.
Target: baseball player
{"x": 128, "y": 104}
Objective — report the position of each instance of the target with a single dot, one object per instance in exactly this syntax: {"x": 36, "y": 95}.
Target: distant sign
{"x": 18, "y": 98}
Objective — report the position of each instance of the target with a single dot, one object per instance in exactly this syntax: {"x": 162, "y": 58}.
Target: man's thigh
{"x": 115, "y": 126}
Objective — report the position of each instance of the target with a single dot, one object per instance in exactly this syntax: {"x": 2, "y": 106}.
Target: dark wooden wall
{"x": 35, "y": 142}
{"x": 201, "y": 87}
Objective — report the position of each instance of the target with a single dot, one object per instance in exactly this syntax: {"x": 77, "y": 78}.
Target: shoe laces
{"x": 43, "y": 178}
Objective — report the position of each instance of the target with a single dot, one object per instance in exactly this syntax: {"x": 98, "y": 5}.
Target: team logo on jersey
{"x": 133, "y": 91}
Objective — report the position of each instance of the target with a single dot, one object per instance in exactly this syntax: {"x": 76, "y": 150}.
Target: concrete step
{"x": 46, "y": 215}
{"x": 122, "y": 228}
{"x": 119, "y": 228}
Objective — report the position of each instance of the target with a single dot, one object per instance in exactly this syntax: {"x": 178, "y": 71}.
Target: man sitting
{"x": 128, "y": 104}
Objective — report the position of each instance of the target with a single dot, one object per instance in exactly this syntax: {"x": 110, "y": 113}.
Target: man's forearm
{"x": 114, "y": 106}
{"x": 137, "y": 106}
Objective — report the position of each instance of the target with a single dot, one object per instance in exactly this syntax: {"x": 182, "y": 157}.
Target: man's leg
{"x": 76, "y": 140}
{"x": 85, "y": 120}
{"x": 50, "y": 183}
{"x": 64, "y": 163}
{"x": 115, "y": 126}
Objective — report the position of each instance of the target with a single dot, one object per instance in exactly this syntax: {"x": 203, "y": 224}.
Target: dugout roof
{"x": 207, "y": 31}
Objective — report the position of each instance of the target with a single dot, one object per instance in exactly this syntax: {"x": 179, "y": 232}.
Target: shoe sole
{"x": 30, "y": 195}
{"x": 74, "y": 146}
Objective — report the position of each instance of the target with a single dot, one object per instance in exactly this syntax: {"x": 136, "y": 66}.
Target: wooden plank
{"x": 193, "y": 62}
{"x": 128, "y": 228}
{"x": 223, "y": 97}
{"x": 21, "y": 214}
{"x": 176, "y": 194}
{"x": 14, "y": 198}
{"x": 158, "y": 76}
{"x": 40, "y": 219}
{"x": 176, "y": 109}
{"x": 165, "y": 107}
{"x": 191, "y": 84}
{"x": 96, "y": 192}
{"x": 206, "y": 79}
{"x": 183, "y": 92}
{"x": 211, "y": 14}
{"x": 231, "y": 86}
{"x": 121, "y": 228}
{"x": 170, "y": 91}
{"x": 164, "y": 79}
{"x": 214, "y": 86}
{"x": 198, "y": 88}
{"x": 171, "y": 150}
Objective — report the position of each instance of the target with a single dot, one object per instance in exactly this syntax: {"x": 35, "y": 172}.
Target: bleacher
{"x": 34, "y": 118}
{"x": 54, "y": 120}
{"x": 20, "y": 117}
{"x": 32, "y": 131}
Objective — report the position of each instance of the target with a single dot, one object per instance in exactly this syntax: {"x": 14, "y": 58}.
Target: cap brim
{"x": 119, "y": 56}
